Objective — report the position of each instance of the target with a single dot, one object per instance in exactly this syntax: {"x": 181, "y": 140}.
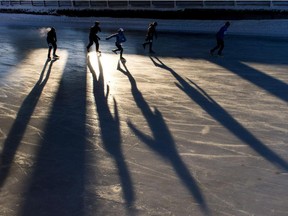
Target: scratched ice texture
{"x": 178, "y": 132}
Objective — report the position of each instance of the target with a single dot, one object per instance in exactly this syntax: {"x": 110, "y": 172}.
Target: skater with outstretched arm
{"x": 120, "y": 38}
{"x": 151, "y": 33}
{"x": 93, "y": 37}
{"x": 52, "y": 43}
{"x": 220, "y": 39}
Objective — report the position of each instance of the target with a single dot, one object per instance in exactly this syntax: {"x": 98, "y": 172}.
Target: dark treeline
{"x": 202, "y": 14}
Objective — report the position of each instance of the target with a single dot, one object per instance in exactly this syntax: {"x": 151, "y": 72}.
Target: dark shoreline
{"x": 188, "y": 14}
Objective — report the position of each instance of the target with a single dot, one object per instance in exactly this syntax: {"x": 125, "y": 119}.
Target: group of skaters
{"x": 120, "y": 38}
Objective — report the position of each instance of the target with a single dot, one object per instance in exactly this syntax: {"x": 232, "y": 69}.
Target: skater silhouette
{"x": 220, "y": 39}
{"x": 52, "y": 43}
{"x": 93, "y": 37}
{"x": 120, "y": 38}
{"x": 151, "y": 33}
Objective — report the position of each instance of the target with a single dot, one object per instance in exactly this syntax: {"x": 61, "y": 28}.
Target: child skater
{"x": 120, "y": 38}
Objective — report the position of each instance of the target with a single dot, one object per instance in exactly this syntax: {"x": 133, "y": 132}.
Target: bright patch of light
{"x": 102, "y": 65}
{"x": 34, "y": 75}
{"x": 278, "y": 71}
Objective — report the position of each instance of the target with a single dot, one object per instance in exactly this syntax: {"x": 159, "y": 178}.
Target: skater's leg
{"x": 221, "y": 47}
{"x": 90, "y": 44}
{"x": 119, "y": 48}
{"x": 54, "y": 48}
{"x": 148, "y": 40}
{"x": 49, "y": 51}
{"x": 212, "y": 50}
{"x": 150, "y": 47}
{"x": 121, "y": 53}
{"x": 144, "y": 44}
{"x": 216, "y": 47}
{"x": 97, "y": 45}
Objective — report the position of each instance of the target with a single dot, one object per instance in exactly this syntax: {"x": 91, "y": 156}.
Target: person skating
{"x": 120, "y": 38}
{"x": 151, "y": 33}
{"x": 52, "y": 43}
{"x": 220, "y": 39}
{"x": 93, "y": 37}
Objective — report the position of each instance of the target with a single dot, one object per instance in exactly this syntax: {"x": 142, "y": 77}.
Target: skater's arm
{"x": 113, "y": 35}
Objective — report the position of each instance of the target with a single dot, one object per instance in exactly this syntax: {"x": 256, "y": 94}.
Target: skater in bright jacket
{"x": 220, "y": 39}
{"x": 120, "y": 38}
{"x": 52, "y": 43}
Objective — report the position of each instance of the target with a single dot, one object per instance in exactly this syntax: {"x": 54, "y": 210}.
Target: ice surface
{"x": 175, "y": 133}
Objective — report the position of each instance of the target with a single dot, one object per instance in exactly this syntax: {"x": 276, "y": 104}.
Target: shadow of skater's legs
{"x": 162, "y": 141}
{"x": 111, "y": 133}
{"x": 20, "y": 124}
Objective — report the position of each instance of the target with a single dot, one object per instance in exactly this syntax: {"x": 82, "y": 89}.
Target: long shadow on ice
{"x": 257, "y": 50}
{"x": 21, "y": 122}
{"x": 110, "y": 132}
{"x": 56, "y": 184}
{"x": 238, "y": 49}
{"x": 223, "y": 117}
{"x": 268, "y": 83}
{"x": 162, "y": 141}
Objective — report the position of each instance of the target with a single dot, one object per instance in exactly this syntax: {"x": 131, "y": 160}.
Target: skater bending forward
{"x": 120, "y": 38}
{"x": 220, "y": 39}
{"x": 51, "y": 41}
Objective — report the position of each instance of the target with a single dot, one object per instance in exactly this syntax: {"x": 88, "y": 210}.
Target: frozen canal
{"x": 176, "y": 133}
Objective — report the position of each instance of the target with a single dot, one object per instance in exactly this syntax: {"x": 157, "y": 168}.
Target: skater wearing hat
{"x": 93, "y": 37}
{"x": 120, "y": 38}
{"x": 151, "y": 33}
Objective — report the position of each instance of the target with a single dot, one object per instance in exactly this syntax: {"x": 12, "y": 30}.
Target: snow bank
{"x": 276, "y": 28}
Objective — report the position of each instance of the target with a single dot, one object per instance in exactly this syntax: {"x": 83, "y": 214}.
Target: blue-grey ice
{"x": 178, "y": 132}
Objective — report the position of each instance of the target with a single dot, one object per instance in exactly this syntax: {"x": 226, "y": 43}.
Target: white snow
{"x": 272, "y": 27}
